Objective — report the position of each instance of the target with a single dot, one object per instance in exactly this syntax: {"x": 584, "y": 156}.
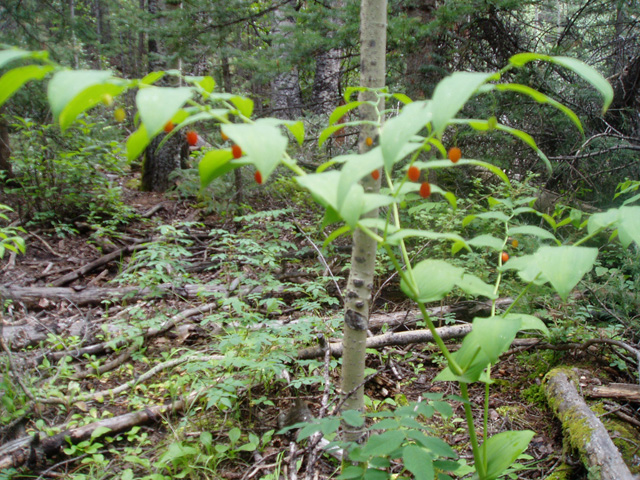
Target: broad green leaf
{"x": 336, "y": 233}
{"x": 541, "y": 98}
{"x": 495, "y": 335}
{"x": 565, "y": 266}
{"x": 474, "y": 286}
{"x": 587, "y": 72}
{"x": 137, "y": 142}
{"x": 528, "y": 322}
{"x": 327, "y": 132}
{"x": 353, "y": 205}
{"x": 629, "y": 225}
{"x": 67, "y": 84}
{"x": 533, "y": 230}
{"x": 353, "y": 418}
{"x": 411, "y": 232}
{"x": 375, "y": 474}
{"x": 503, "y": 449}
{"x": 493, "y": 216}
{"x": 342, "y": 110}
{"x": 466, "y": 161}
{"x": 485, "y": 240}
{"x": 356, "y": 167}
{"x": 451, "y": 94}
{"x": 206, "y": 83}
{"x": 244, "y": 105}
{"x": 151, "y": 78}
{"x": 350, "y": 472}
{"x": 213, "y": 165}
{"x": 402, "y": 97}
{"x": 322, "y": 187}
{"x": 158, "y": 105}
{"x": 14, "y": 79}
{"x": 471, "y": 360}
{"x": 602, "y": 220}
{"x": 527, "y": 268}
{"x": 12, "y": 54}
{"x": 263, "y": 144}
{"x": 418, "y": 462}
{"x": 397, "y": 131}
{"x": 383, "y": 443}
{"x": 98, "y": 432}
{"x": 85, "y": 100}
{"x": 434, "y": 280}
{"x": 295, "y": 127}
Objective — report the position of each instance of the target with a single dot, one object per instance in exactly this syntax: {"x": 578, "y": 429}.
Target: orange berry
{"x": 369, "y": 141}
{"x": 514, "y": 243}
{"x": 413, "y": 173}
{"x": 455, "y": 154}
{"x": 192, "y": 137}
{"x": 119, "y": 114}
{"x": 505, "y": 257}
{"x": 107, "y": 99}
{"x": 224, "y": 136}
{"x": 258, "y": 177}
{"x": 236, "y": 151}
{"x": 375, "y": 174}
{"x": 168, "y": 126}
{"x": 425, "y": 190}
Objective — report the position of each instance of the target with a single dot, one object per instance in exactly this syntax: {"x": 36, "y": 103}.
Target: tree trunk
{"x": 285, "y": 87}
{"x": 326, "y": 84}
{"x": 373, "y": 41}
{"x": 5, "y": 149}
{"x": 160, "y": 162}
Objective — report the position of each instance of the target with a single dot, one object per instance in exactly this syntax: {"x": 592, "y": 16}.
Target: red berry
{"x": 192, "y": 137}
{"x": 413, "y": 173}
{"x": 375, "y": 174}
{"x": 425, "y": 190}
{"x": 168, "y": 126}
{"x": 505, "y": 257}
{"x": 236, "y": 151}
{"x": 258, "y": 177}
{"x": 455, "y": 154}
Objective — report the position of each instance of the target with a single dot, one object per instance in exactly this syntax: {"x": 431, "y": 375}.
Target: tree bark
{"x": 326, "y": 84}
{"x": 159, "y": 162}
{"x": 285, "y": 87}
{"x": 5, "y": 149}
{"x": 585, "y": 432}
{"x": 373, "y": 30}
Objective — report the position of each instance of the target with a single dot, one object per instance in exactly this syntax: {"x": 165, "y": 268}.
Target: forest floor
{"x": 54, "y": 324}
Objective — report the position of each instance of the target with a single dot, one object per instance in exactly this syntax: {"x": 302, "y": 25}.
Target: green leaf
{"x": 502, "y": 450}
{"x": 587, "y": 72}
{"x": 264, "y": 144}
{"x": 466, "y": 161}
{"x": 484, "y": 240}
{"x": 565, "y": 266}
{"x": 85, "y": 100}
{"x": 602, "y": 220}
{"x": 356, "y": 167}
{"x": 353, "y": 418}
{"x": 67, "y": 84}
{"x": 327, "y": 132}
{"x": 418, "y": 462}
{"x": 350, "y": 472}
{"x": 158, "y": 105}
{"x": 434, "y": 280}
{"x": 342, "y": 110}
{"x": 474, "y": 286}
{"x": 244, "y": 105}
{"x": 528, "y": 322}
{"x": 541, "y": 98}
{"x": 629, "y": 225}
{"x": 215, "y": 164}
{"x": 99, "y": 431}
{"x": 495, "y": 335}
{"x": 11, "y": 54}
{"x": 151, "y": 78}
{"x": 137, "y": 142}
{"x": 451, "y": 94}
{"x": 14, "y": 79}
{"x": 412, "y": 232}
{"x": 397, "y": 131}
{"x": 533, "y": 230}
{"x": 234, "y": 435}
{"x": 384, "y": 443}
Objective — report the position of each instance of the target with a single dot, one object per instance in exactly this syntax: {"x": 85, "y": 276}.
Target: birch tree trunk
{"x": 373, "y": 41}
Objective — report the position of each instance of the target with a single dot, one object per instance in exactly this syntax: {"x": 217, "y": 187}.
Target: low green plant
{"x": 10, "y": 238}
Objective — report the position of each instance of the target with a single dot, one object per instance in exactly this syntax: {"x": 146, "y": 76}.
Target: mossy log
{"x": 584, "y": 431}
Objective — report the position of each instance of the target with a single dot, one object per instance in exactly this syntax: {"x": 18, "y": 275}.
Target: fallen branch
{"x": 625, "y": 391}
{"x": 585, "y": 432}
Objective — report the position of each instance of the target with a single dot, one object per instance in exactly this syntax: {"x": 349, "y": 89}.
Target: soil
{"x": 405, "y": 374}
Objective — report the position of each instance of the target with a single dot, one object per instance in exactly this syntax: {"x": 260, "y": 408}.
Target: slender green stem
{"x": 453, "y": 365}
{"x": 588, "y": 237}
{"x": 486, "y": 412}
{"x": 479, "y": 464}
{"x": 520, "y": 295}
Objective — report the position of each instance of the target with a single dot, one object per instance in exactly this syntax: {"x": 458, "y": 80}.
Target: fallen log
{"x": 624, "y": 391}
{"x": 584, "y": 430}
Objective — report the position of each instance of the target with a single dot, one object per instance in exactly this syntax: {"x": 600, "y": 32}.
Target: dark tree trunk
{"x": 326, "y": 84}
{"x": 160, "y": 162}
{"x": 285, "y": 88}
{"x": 5, "y": 149}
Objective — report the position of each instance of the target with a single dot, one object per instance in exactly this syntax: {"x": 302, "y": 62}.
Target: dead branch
{"x": 625, "y": 391}
{"x": 586, "y": 433}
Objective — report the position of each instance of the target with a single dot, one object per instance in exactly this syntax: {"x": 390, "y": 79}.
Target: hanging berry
{"x": 413, "y": 173}
{"x": 223, "y": 136}
{"x": 514, "y": 243}
{"x": 455, "y": 154}
{"x": 168, "y": 126}
{"x": 192, "y": 137}
{"x": 258, "y": 177}
{"x": 425, "y": 190}
{"x": 375, "y": 174}
{"x": 504, "y": 257}
{"x": 236, "y": 151}
{"x": 119, "y": 114}
{"x": 369, "y": 141}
